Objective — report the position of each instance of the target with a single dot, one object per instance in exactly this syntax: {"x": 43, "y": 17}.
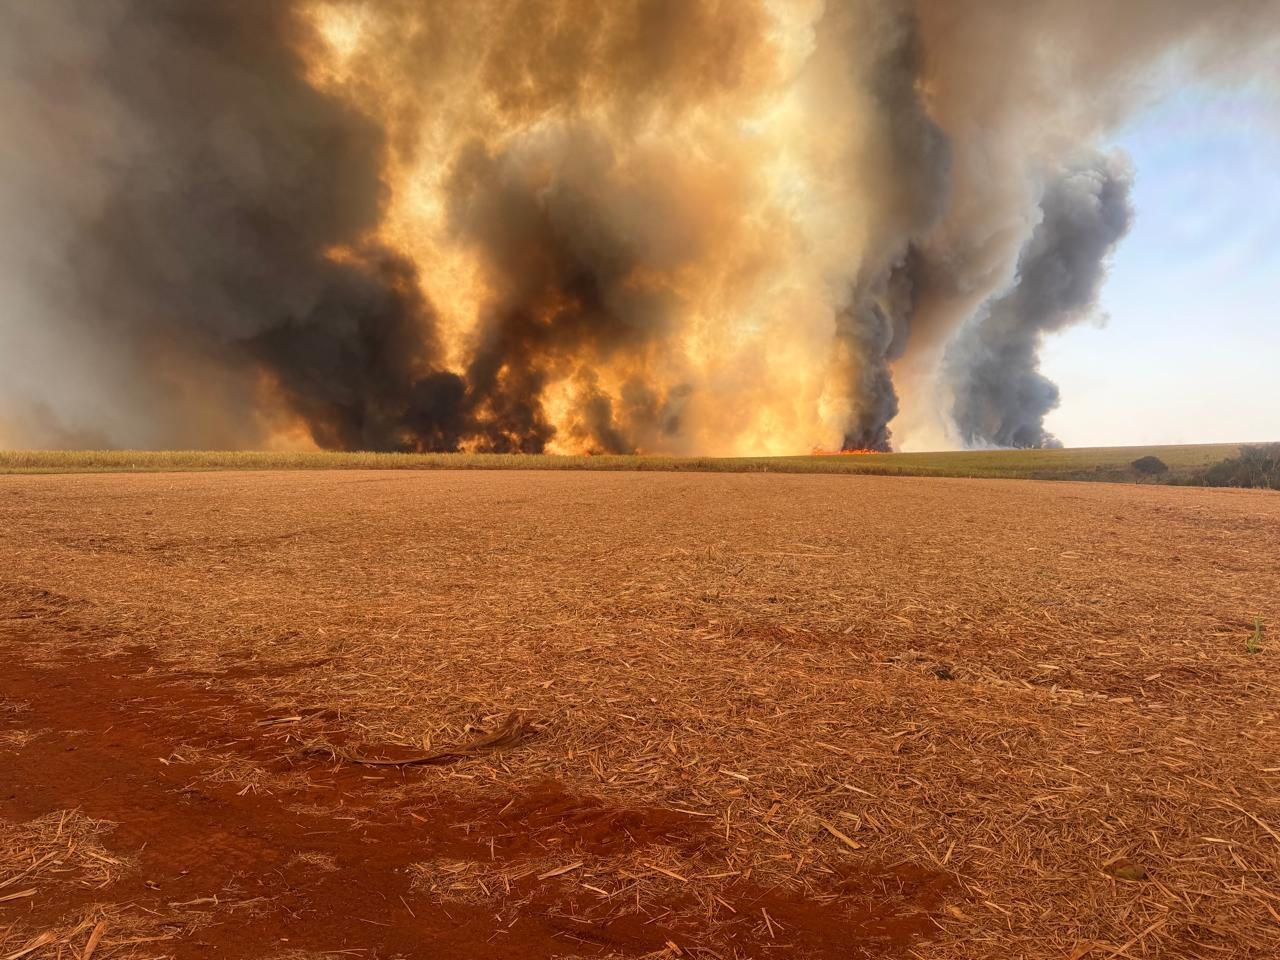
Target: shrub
{"x": 1150, "y": 466}
{"x": 1258, "y": 465}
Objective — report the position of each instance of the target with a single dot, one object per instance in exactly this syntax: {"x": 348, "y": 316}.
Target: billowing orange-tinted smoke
{"x": 684, "y": 226}
{"x": 671, "y": 226}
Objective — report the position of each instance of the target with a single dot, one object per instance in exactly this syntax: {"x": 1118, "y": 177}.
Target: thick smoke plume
{"x": 181, "y": 185}
{"x": 686, "y": 226}
{"x": 1001, "y": 396}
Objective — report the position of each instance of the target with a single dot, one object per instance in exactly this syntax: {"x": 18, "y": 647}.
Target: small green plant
{"x": 1254, "y": 643}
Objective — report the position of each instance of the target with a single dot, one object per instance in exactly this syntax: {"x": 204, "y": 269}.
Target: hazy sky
{"x": 1190, "y": 351}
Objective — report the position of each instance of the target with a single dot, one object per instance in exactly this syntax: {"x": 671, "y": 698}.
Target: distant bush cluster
{"x": 1258, "y": 465}
{"x": 1150, "y": 466}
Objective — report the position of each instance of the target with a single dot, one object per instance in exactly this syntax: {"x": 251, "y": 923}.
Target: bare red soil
{"x": 221, "y": 863}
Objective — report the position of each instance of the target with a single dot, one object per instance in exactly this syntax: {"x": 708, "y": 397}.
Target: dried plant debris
{"x": 58, "y": 848}
{"x": 1023, "y": 709}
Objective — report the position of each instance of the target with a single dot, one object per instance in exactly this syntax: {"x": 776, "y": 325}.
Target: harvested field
{"x": 515, "y": 714}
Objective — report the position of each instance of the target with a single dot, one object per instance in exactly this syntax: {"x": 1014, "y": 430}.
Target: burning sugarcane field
{"x": 631, "y": 479}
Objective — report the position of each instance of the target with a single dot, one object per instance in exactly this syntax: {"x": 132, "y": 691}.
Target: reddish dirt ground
{"x": 219, "y": 848}
{"x": 773, "y": 717}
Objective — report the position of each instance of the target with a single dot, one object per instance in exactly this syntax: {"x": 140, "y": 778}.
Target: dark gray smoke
{"x": 875, "y": 330}
{"x": 223, "y": 180}
{"x": 906, "y": 161}
{"x": 1001, "y": 397}
{"x": 1020, "y": 87}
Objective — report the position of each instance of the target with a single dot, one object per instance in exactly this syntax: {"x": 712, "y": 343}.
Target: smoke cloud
{"x": 182, "y": 185}
{"x": 1001, "y": 396}
{"x": 1021, "y": 89}
{"x": 682, "y": 226}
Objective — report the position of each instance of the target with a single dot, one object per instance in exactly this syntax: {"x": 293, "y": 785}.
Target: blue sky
{"x": 1190, "y": 350}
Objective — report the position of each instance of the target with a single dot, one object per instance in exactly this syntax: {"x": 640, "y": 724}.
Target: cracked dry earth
{"x": 765, "y": 715}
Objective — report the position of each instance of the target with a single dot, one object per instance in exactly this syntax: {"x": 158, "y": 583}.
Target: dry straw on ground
{"x": 1039, "y": 692}
{"x": 40, "y": 860}
{"x": 63, "y": 847}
